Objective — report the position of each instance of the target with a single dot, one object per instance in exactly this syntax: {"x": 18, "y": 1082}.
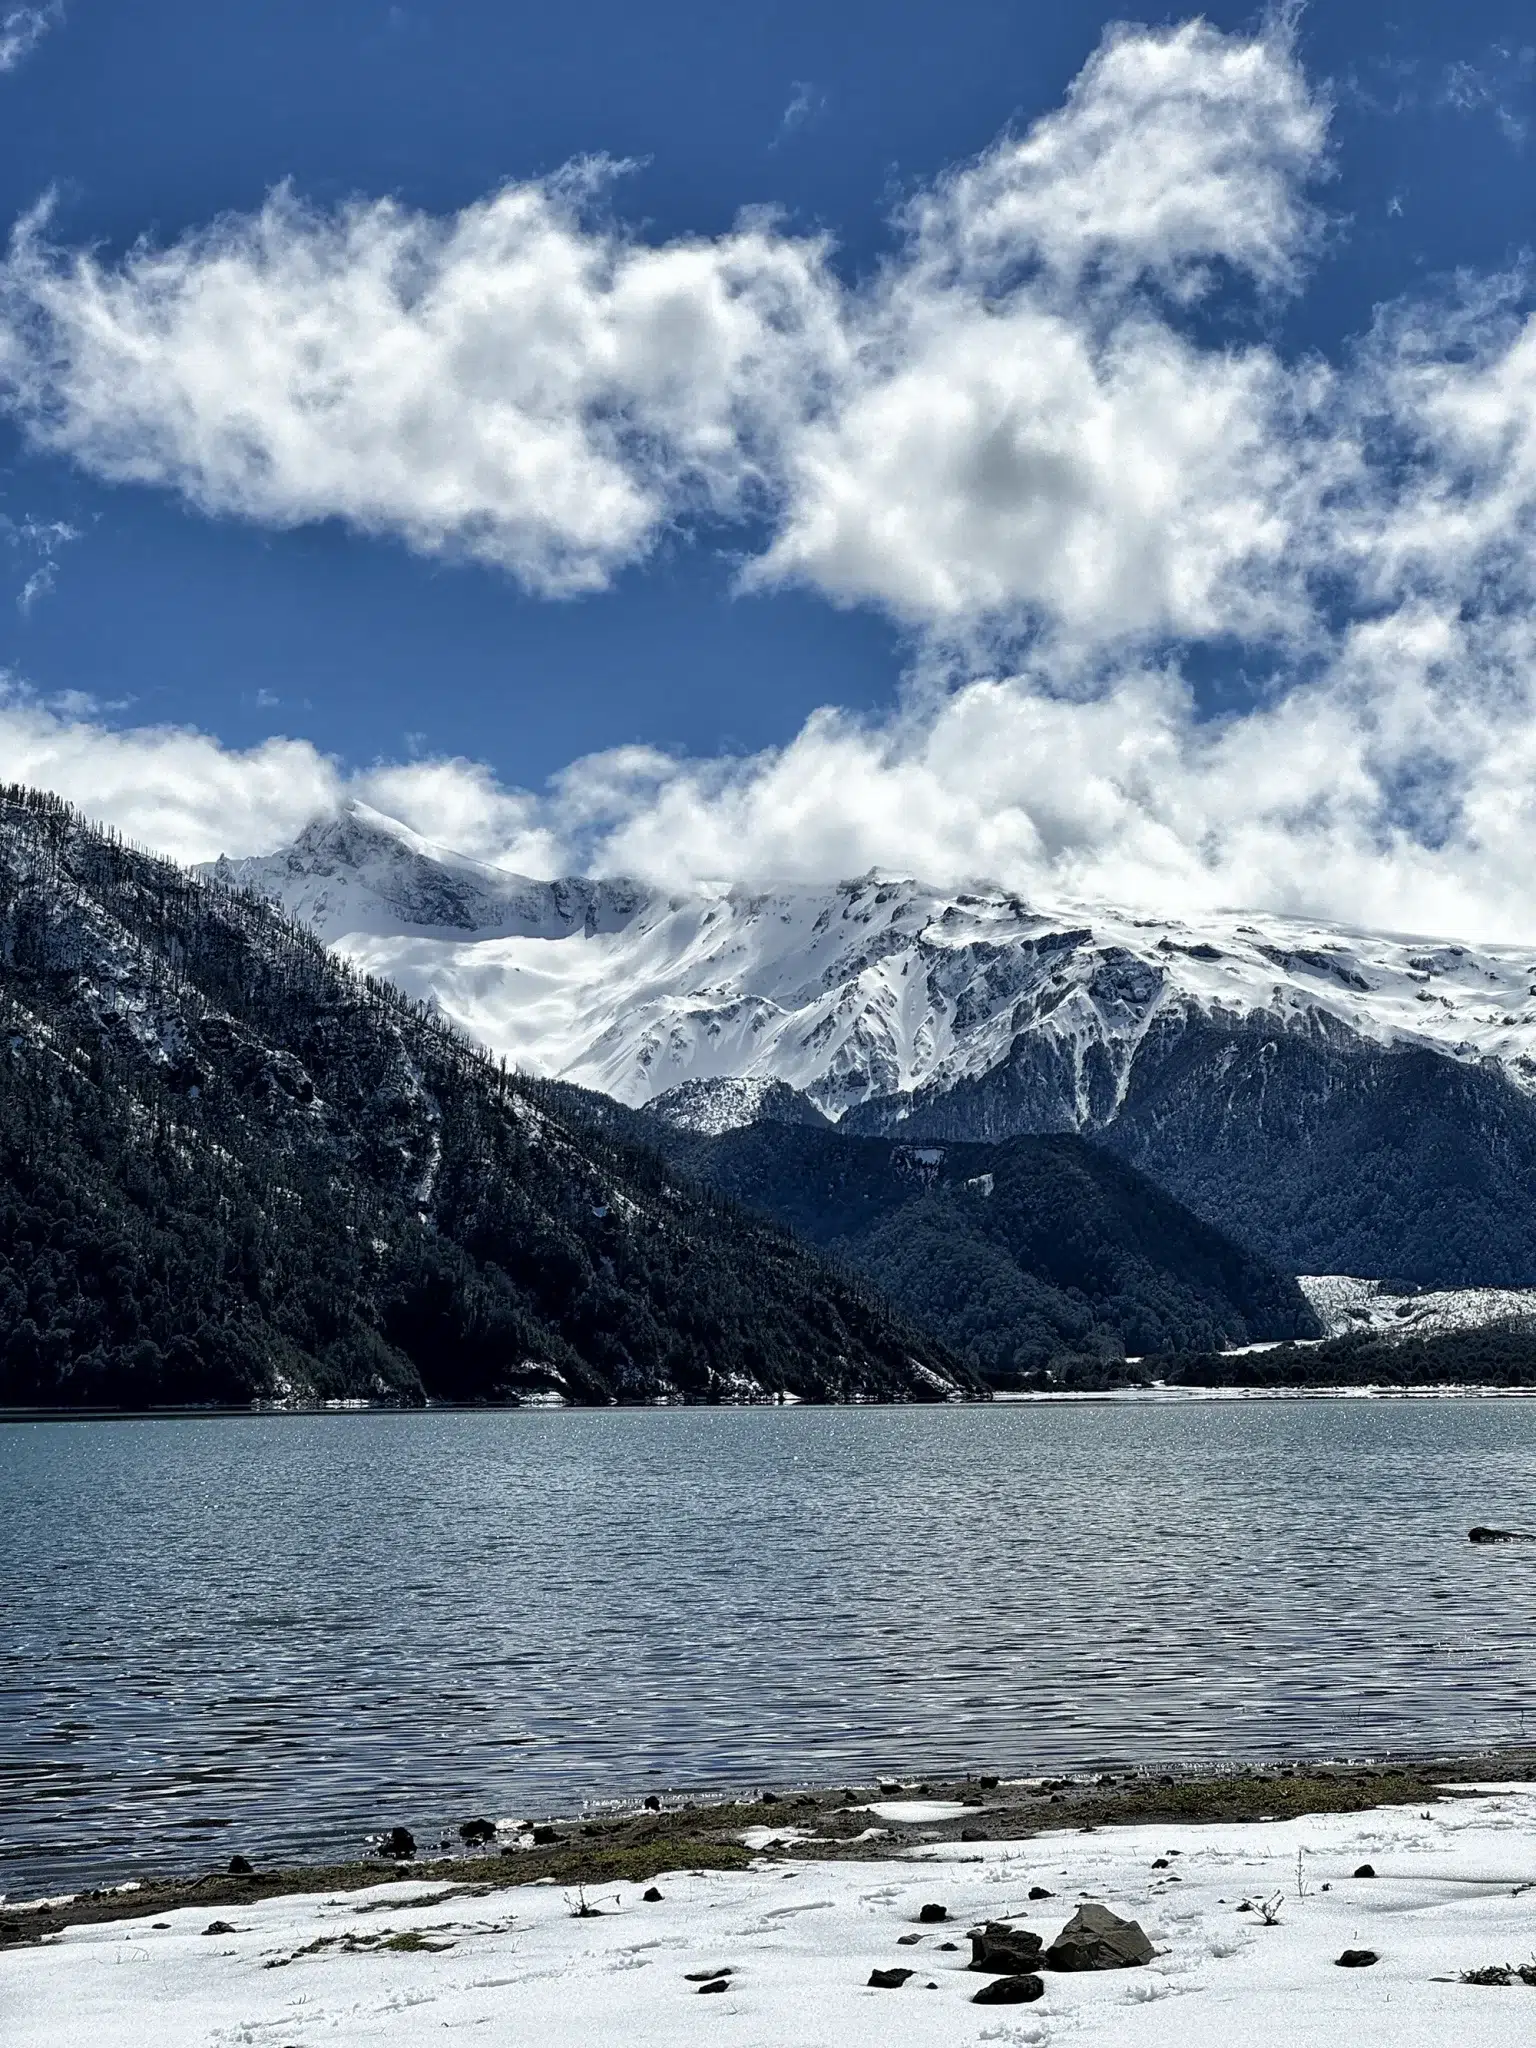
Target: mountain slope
{"x": 1325, "y": 1154}
{"x": 230, "y": 1169}
{"x": 875, "y": 988}
{"x": 1013, "y": 1253}
{"x": 1345, "y": 1101}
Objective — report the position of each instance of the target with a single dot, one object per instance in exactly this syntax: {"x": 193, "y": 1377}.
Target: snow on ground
{"x": 1455, "y": 1890}
{"x": 1346, "y": 1305}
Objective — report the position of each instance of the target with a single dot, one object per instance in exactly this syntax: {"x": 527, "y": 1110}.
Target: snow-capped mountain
{"x": 866, "y": 990}
{"x": 1344, "y": 1101}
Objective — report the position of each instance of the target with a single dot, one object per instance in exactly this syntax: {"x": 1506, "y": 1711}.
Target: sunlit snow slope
{"x": 863, "y": 988}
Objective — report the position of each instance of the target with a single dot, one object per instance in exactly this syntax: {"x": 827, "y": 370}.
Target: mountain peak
{"x": 876, "y": 988}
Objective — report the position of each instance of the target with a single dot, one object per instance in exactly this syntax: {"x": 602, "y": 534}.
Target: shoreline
{"x": 1157, "y": 1394}
{"x": 868, "y": 1823}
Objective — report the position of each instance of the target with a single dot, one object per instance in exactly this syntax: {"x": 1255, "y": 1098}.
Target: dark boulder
{"x": 1020, "y": 1990}
{"x": 931, "y": 1915}
{"x": 239, "y": 1867}
{"x": 477, "y": 1832}
{"x": 888, "y": 1980}
{"x": 1499, "y": 1536}
{"x": 399, "y": 1843}
{"x": 545, "y": 1836}
{"x": 1357, "y": 1959}
{"x": 1366, "y": 1870}
{"x": 1003, "y": 1949}
{"x": 1097, "y": 1939}
{"x": 652, "y": 1897}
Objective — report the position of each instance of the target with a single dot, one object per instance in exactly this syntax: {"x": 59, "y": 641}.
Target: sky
{"x": 1010, "y": 442}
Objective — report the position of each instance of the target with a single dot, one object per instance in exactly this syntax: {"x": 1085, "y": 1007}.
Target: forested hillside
{"x": 232, "y": 1169}
{"x": 1012, "y": 1253}
{"x": 1488, "y": 1357}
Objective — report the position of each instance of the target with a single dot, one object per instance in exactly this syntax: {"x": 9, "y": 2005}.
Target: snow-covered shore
{"x": 1455, "y": 1890}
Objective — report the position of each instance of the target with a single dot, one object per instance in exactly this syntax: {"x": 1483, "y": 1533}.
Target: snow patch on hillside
{"x": 1347, "y": 1307}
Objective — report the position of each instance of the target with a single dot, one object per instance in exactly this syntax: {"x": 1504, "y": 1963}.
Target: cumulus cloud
{"x": 1396, "y": 789}
{"x": 1178, "y": 152}
{"x": 174, "y": 790}
{"x": 1005, "y": 427}
{"x": 1026, "y": 435}
{"x": 519, "y": 383}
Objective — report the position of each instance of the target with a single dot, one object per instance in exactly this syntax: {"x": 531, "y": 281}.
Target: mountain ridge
{"x": 1346, "y": 1101}
{"x": 231, "y": 1168}
{"x": 1018, "y": 1255}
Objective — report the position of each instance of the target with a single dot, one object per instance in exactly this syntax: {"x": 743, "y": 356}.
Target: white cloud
{"x": 517, "y": 383}
{"x": 803, "y": 105}
{"x": 1177, "y": 151}
{"x": 1003, "y": 428}
{"x": 40, "y": 540}
{"x": 1450, "y": 507}
{"x": 174, "y": 790}
{"x": 1023, "y": 433}
{"x": 1006, "y": 462}
{"x": 23, "y": 28}
{"x": 1396, "y": 789}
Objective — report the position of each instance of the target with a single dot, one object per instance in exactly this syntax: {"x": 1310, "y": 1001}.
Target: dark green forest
{"x": 1014, "y": 1254}
{"x": 1487, "y": 1357}
{"x": 230, "y": 1169}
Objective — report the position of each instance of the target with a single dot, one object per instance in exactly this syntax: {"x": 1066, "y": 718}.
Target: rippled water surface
{"x": 280, "y": 1633}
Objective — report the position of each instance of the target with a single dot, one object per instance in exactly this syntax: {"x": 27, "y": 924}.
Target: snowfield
{"x": 1455, "y": 1890}
{"x": 1348, "y": 1306}
{"x": 855, "y": 989}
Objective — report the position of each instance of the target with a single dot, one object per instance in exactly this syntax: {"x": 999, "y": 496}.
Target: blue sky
{"x": 153, "y": 585}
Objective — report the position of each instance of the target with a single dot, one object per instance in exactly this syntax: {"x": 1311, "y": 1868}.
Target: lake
{"x": 278, "y": 1634}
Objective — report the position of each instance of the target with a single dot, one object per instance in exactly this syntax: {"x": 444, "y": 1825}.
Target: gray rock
{"x": 1097, "y": 1939}
{"x": 1003, "y": 1949}
{"x": 1020, "y": 1990}
{"x": 888, "y": 1980}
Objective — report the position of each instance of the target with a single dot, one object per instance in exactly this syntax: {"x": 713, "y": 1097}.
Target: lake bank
{"x": 859, "y": 1823}
{"x": 1247, "y": 1919}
